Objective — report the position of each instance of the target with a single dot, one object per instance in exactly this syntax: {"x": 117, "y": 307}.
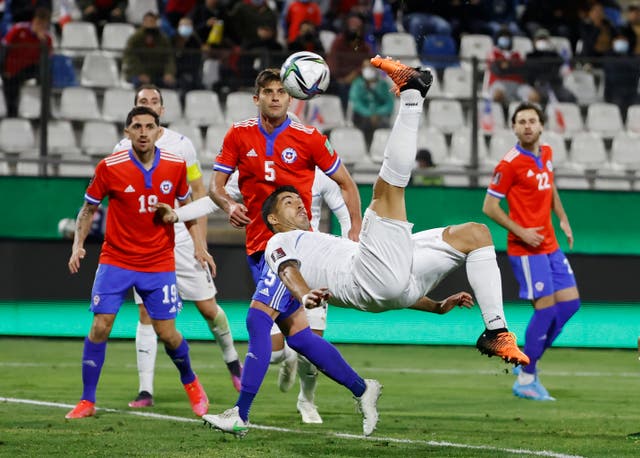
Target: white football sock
{"x": 222, "y": 333}
{"x": 280, "y": 355}
{"x": 146, "y": 350}
{"x": 400, "y": 151}
{"x": 484, "y": 278}
{"x": 308, "y": 374}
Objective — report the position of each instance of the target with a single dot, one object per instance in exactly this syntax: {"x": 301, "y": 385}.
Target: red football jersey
{"x": 265, "y": 162}
{"x": 526, "y": 181}
{"x": 132, "y": 239}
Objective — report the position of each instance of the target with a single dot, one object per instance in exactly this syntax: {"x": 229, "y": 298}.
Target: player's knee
{"x": 481, "y": 234}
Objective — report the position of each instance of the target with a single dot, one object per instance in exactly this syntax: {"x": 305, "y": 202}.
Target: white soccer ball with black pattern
{"x": 304, "y": 75}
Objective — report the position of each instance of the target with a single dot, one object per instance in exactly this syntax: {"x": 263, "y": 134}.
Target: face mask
{"x": 543, "y": 45}
{"x": 369, "y": 73}
{"x": 185, "y": 30}
{"x": 504, "y": 42}
{"x": 621, "y": 46}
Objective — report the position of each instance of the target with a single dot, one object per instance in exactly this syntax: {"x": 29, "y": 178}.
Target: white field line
{"x": 409, "y": 370}
{"x": 442, "y": 444}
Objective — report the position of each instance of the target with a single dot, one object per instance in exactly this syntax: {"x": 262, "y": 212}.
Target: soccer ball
{"x": 66, "y": 228}
{"x": 304, "y": 75}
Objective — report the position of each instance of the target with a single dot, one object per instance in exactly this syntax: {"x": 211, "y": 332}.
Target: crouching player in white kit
{"x": 389, "y": 268}
{"x": 193, "y": 262}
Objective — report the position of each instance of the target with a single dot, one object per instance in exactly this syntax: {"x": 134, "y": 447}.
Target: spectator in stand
{"x": 560, "y": 17}
{"x": 175, "y": 10}
{"x": 426, "y": 17}
{"x": 424, "y": 163}
{"x": 187, "y": 47}
{"x": 489, "y": 17}
{"x": 102, "y": 11}
{"x": 246, "y": 18}
{"x": 505, "y": 70}
{"x": 205, "y": 16}
{"x": 371, "y": 99}
{"x": 22, "y": 46}
{"x": 148, "y": 57}
{"x": 298, "y": 12}
{"x": 263, "y": 52}
{"x": 621, "y": 72}
{"x": 308, "y": 39}
{"x": 543, "y": 71}
{"x": 596, "y": 32}
{"x": 344, "y": 58}
{"x": 631, "y": 29}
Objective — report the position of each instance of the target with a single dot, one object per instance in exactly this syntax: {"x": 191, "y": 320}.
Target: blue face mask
{"x": 621, "y": 46}
{"x": 185, "y": 30}
{"x": 504, "y": 42}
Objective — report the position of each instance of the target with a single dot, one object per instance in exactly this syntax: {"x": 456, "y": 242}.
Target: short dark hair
{"x": 269, "y": 204}
{"x": 153, "y": 87}
{"x": 136, "y": 111}
{"x": 42, "y": 13}
{"x": 528, "y": 106}
{"x": 266, "y": 76}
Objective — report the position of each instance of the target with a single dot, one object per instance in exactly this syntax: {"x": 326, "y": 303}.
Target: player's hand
{"x": 461, "y": 299}
{"x": 206, "y": 260}
{"x": 354, "y": 232}
{"x": 531, "y": 236}
{"x": 315, "y": 298}
{"x": 566, "y": 228}
{"x": 238, "y": 215}
{"x": 165, "y": 213}
{"x": 77, "y": 255}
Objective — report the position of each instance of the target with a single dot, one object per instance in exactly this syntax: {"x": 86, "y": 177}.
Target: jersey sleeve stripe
{"x": 181, "y": 198}
{"x": 334, "y": 168}
{"x": 91, "y": 200}
{"x": 222, "y": 168}
{"x": 495, "y": 194}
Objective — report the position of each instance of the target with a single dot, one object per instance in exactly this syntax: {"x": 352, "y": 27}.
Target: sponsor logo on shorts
{"x": 539, "y": 285}
{"x": 166, "y": 186}
{"x": 96, "y": 299}
{"x": 264, "y": 291}
{"x": 277, "y": 254}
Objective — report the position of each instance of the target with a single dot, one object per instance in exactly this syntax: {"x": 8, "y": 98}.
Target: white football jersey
{"x": 180, "y": 145}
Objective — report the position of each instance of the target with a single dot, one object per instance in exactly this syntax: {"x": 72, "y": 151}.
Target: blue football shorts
{"x": 270, "y": 290}
{"x": 158, "y": 291}
{"x": 542, "y": 275}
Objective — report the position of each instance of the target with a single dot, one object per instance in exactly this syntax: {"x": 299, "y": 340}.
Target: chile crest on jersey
{"x": 289, "y": 155}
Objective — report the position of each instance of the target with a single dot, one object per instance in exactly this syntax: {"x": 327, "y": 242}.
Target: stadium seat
{"x": 461, "y": 149}
{"x": 116, "y": 104}
{"x": 3, "y": 105}
{"x": 213, "y": 142}
{"x": 588, "y": 151}
{"x": 490, "y": 116}
{"x": 378, "y": 143}
{"x": 29, "y": 105}
{"x": 434, "y": 140}
{"x": 210, "y": 72}
{"x": 633, "y": 119}
{"x": 624, "y": 151}
{"x": 17, "y": 136}
{"x": 61, "y": 139}
{"x": 202, "y": 107}
{"x": 613, "y": 180}
{"x": 98, "y": 138}
{"x": 446, "y": 115}
{"x": 79, "y": 104}
{"x": 63, "y": 74}
{"x": 239, "y": 106}
{"x": 191, "y": 131}
{"x": 400, "y": 45}
{"x": 350, "y": 144}
{"x": 563, "y": 46}
{"x": 115, "y": 36}
{"x": 79, "y": 38}
{"x": 564, "y": 118}
{"x": 571, "y": 179}
{"x": 325, "y": 112}
{"x": 172, "y": 106}
{"x": 76, "y": 165}
{"x": 475, "y": 45}
{"x": 439, "y": 51}
{"x": 605, "y": 119}
{"x": 499, "y": 144}
{"x": 559, "y": 148}
{"x": 583, "y": 85}
{"x": 136, "y": 9}
{"x": 457, "y": 83}
{"x": 99, "y": 70}
{"x": 522, "y": 44}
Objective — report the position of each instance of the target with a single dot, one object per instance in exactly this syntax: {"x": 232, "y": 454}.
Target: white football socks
{"x": 400, "y": 151}
{"x": 308, "y": 374}
{"x": 222, "y": 333}
{"x": 484, "y": 277}
{"x": 278, "y": 356}
{"x": 146, "y": 350}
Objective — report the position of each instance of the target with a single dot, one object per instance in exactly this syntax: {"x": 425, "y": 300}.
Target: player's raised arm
{"x": 351, "y": 197}
{"x": 309, "y": 298}
{"x": 237, "y": 212}
{"x": 83, "y": 227}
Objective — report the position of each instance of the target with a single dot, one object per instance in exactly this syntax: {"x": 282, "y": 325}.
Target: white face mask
{"x": 369, "y": 73}
{"x": 185, "y": 30}
{"x": 621, "y": 46}
{"x": 543, "y": 45}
